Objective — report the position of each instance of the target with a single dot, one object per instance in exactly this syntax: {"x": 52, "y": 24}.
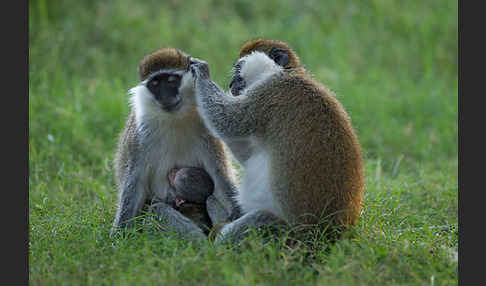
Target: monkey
{"x": 301, "y": 157}
{"x": 191, "y": 184}
{"x": 192, "y": 187}
{"x": 165, "y": 131}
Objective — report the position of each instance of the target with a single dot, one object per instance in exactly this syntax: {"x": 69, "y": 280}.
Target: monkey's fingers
{"x": 199, "y": 68}
{"x": 195, "y": 61}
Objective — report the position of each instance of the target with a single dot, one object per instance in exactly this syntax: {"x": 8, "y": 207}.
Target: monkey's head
{"x": 280, "y": 52}
{"x": 260, "y": 57}
{"x": 165, "y": 84}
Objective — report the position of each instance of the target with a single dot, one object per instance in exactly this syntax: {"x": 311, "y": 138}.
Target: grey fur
{"x": 217, "y": 212}
{"x": 215, "y": 107}
{"x": 152, "y": 144}
{"x": 172, "y": 220}
{"x": 258, "y": 220}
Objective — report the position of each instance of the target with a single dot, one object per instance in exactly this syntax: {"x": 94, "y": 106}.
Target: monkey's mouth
{"x": 172, "y": 106}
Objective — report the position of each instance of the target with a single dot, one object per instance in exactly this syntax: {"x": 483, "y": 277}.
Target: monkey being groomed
{"x": 164, "y": 131}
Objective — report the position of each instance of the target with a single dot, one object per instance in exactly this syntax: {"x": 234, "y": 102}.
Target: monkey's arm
{"x": 132, "y": 197}
{"x": 258, "y": 220}
{"x": 229, "y": 117}
{"x": 217, "y": 213}
{"x": 221, "y": 205}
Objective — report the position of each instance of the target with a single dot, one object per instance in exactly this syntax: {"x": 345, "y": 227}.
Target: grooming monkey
{"x": 301, "y": 157}
{"x": 164, "y": 131}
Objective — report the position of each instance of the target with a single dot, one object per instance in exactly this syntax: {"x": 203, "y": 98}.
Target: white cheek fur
{"x": 187, "y": 92}
{"x": 258, "y": 66}
{"x": 147, "y": 108}
{"x": 144, "y": 104}
{"x": 255, "y": 192}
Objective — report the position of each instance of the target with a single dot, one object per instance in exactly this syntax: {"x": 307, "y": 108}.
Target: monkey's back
{"x": 126, "y": 148}
{"x": 314, "y": 142}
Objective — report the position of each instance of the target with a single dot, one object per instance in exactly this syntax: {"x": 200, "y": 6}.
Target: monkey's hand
{"x": 199, "y": 68}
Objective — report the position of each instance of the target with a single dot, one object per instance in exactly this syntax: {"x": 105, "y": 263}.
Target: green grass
{"x": 392, "y": 64}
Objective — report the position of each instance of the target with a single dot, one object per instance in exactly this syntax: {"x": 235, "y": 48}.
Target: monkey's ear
{"x": 279, "y": 56}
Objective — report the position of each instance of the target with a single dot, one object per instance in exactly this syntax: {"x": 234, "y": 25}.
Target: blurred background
{"x": 393, "y": 65}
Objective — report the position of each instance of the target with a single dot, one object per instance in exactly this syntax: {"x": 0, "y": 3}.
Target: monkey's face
{"x": 280, "y": 52}
{"x": 238, "y": 82}
{"x": 167, "y": 90}
{"x": 254, "y": 68}
{"x": 164, "y": 86}
{"x": 167, "y": 86}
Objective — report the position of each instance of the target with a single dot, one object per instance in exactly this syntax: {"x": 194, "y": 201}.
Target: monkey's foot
{"x": 199, "y": 68}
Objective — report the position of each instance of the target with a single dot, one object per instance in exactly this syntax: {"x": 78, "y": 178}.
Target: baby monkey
{"x": 192, "y": 187}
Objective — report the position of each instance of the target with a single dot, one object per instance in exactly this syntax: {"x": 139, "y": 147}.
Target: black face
{"x": 237, "y": 83}
{"x": 279, "y": 56}
{"x": 164, "y": 86}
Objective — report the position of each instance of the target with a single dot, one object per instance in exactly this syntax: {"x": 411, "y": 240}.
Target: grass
{"x": 392, "y": 64}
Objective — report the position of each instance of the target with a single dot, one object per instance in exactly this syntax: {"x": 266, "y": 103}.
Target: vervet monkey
{"x": 165, "y": 131}
{"x": 301, "y": 157}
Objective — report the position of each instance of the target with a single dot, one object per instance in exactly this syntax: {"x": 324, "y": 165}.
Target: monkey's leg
{"x": 222, "y": 206}
{"x": 216, "y": 211}
{"x": 170, "y": 219}
{"x": 259, "y": 220}
{"x": 219, "y": 170}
